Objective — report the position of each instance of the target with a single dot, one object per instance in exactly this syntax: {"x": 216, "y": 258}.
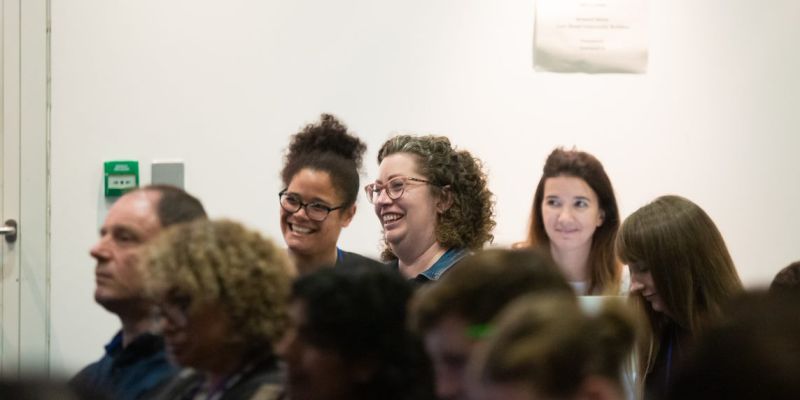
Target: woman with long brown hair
{"x": 681, "y": 276}
{"x": 575, "y": 217}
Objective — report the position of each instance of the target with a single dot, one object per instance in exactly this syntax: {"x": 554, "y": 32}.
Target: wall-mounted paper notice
{"x": 591, "y": 36}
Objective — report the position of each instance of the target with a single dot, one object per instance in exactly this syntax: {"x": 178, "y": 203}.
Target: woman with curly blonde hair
{"x": 433, "y": 204}
{"x": 222, "y": 293}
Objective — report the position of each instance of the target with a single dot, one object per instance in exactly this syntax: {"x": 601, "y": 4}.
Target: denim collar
{"x": 447, "y": 260}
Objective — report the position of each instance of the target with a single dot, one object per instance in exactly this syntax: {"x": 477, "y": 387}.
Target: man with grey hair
{"x": 134, "y": 362}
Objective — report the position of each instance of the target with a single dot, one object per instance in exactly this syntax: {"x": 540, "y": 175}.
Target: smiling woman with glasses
{"x": 433, "y": 204}
{"x": 321, "y": 186}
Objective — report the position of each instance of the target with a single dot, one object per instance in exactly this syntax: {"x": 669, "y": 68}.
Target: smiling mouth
{"x": 389, "y": 218}
{"x": 300, "y": 230}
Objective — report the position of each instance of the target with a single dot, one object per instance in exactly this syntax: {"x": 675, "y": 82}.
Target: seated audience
{"x": 134, "y": 363}
{"x": 545, "y": 347}
{"x": 681, "y": 275}
{"x": 753, "y": 353}
{"x": 222, "y": 292}
{"x": 320, "y": 178}
{"x": 348, "y": 338}
{"x": 787, "y": 280}
{"x": 575, "y": 217}
{"x": 433, "y": 203}
{"x": 454, "y": 315}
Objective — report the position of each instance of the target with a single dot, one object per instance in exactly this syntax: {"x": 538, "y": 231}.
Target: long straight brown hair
{"x": 692, "y": 271}
{"x": 604, "y": 267}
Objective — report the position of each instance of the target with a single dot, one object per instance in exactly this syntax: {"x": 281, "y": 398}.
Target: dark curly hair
{"x": 361, "y": 314}
{"x": 327, "y": 146}
{"x": 468, "y": 223}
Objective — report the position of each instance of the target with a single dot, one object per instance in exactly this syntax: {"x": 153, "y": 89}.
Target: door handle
{"x": 9, "y": 230}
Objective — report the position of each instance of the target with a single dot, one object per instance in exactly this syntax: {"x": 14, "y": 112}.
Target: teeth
{"x": 391, "y": 217}
{"x": 299, "y": 229}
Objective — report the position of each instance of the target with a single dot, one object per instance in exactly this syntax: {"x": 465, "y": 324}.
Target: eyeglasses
{"x": 394, "y": 187}
{"x": 175, "y": 310}
{"x": 314, "y": 211}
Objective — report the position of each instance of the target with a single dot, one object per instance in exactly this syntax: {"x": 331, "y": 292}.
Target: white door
{"x": 24, "y": 286}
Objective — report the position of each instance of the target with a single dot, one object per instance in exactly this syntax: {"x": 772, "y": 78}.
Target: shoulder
{"x": 349, "y": 260}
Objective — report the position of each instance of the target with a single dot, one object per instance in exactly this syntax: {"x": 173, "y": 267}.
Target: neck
{"x": 229, "y": 363}
{"x": 573, "y": 263}
{"x": 307, "y": 264}
{"x": 417, "y": 262}
{"x": 135, "y": 322}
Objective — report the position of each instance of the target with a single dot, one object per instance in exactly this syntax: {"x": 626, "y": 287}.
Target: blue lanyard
{"x": 669, "y": 358}
{"x": 339, "y": 255}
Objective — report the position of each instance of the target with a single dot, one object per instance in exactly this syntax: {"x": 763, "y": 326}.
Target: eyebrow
{"x": 313, "y": 199}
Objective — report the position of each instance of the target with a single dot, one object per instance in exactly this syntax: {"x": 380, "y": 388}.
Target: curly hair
{"x": 468, "y": 223}
{"x": 604, "y": 267}
{"x": 327, "y": 146}
{"x": 221, "y": 262}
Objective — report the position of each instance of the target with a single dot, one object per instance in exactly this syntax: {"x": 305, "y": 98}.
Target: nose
{"x": 565, "y": 214}
{"x": 636, "y": 283}
{"x": 100, "y": 251}
{"x": 302, "y": 213}
{"x": 285, "y": 345}
{"x": 382, "y": 198}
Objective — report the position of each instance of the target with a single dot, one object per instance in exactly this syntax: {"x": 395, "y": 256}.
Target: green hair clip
{"x": 479, "y": 331}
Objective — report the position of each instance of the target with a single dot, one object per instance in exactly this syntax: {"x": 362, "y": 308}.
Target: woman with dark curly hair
{"x": 433, "y": 203}
{"x": 320, "y": 178}
{"x": 575, "y": 217}
{"x": 348, "y": 338}
{"x": 222, "y": 292}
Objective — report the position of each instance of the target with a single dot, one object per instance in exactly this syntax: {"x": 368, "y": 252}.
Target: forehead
{"x": 313, "y": 184}
{"x": 398, "y": 164}
{"x": 568, "y": 186}
{"x": 136, "y": 210}
{"x": 449, "y": 336}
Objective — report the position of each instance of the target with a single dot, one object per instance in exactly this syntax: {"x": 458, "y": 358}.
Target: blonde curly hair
{"x": 223, "y": 263}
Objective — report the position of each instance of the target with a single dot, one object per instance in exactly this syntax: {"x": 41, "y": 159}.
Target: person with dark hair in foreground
{"x": 134, "y": 362}
{"x": 752, "y": 353}
{"x": 348, "y": 338}
{"x": 787, "y": 280}
{"x": 454, "y": 314}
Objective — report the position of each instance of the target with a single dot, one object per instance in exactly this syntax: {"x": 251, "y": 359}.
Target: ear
{"x": 347, "y": 216}
{"x": 445, "y": 200}
{"x": 601, "y": 217}
{"x": 595, "y": 387}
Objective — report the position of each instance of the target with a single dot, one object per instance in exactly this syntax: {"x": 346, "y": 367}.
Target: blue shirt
{"x": 131, "y": 372}
{"x": 442, "y": 265}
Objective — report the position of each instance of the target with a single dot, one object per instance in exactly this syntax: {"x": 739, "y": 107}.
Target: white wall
{"x": 223, "y": 84}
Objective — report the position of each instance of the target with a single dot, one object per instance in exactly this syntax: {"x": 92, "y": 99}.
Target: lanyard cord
{"x": 669, "y": 358}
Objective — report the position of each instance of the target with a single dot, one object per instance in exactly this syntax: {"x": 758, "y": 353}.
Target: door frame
{"x": 25, "y": 106}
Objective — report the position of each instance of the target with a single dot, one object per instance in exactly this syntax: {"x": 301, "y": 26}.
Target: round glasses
{"x": 315, "y": 211}
{"x": 395, "y": 187}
